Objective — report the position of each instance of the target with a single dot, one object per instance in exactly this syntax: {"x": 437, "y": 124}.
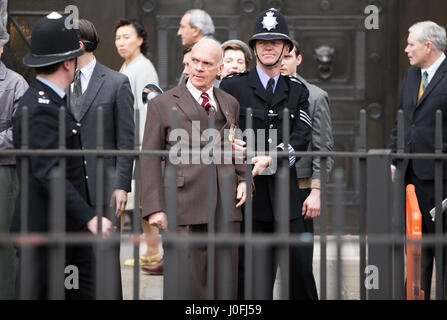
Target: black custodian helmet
{"x": 271, "y": 25}
{"x": 52, "y": 42}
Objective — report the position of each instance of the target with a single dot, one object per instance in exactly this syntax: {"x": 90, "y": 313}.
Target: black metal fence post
{"x": 379, "y": 222}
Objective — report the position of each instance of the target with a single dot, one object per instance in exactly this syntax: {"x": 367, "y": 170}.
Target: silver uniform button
{"x": 86, "y": 177}
{"x": 271, "y": 126}
{"x": 292, "y": 116}
{"x": 270, "y": 111}
{"x": 78, "y": 124}
{"x": 41, "y": 93}
{"x": 270, "y": 140}
{"x": 74, "y": 131}
{"x": 85, "y": 162}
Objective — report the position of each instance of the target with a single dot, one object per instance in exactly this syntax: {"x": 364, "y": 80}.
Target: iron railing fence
{"x": 381, "y": 218}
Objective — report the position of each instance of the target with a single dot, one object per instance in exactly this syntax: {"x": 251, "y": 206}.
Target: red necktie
{"x": 206, "y": 103}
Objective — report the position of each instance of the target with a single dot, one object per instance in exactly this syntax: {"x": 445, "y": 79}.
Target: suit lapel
{"x": 190, "y": 107}
{"x": 439, "y": 75}
{"x": 95, "y": 83}
{"x": 255, "y": 83}
{"x": 281, "y": 91}
{"x": 225, "y": 107}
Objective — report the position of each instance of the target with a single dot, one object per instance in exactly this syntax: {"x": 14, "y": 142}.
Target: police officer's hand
{"x": 120, "y": 197}
{"x": 260, "y": 163}
{"x": 238, "y": 146}
{"x": 106, "y": 226}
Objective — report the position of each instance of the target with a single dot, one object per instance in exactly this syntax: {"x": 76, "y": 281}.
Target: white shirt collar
{"x": 59, "y": 91}
{"x": 86, "y": 74}
{"x": 196, "y": 93}
{"x": 434, "y": 67}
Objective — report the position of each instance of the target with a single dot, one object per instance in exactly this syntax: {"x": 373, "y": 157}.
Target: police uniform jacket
{"x": 289, "y": 93}
{"x": 43, "y": 108}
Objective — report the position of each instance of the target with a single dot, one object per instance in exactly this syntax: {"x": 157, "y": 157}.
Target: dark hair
{"x": 48, "y": 69}
{"x": 187, "y": 49}
{"x": 141, "y": 31}
{"x": 88, "y": 35}
{"x": 296, "y": 47}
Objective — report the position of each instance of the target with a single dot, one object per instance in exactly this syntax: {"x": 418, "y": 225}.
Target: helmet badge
{"x": 269, "y": 22}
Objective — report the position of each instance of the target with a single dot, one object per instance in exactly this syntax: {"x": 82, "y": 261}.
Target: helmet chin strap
{"x": 277, "y": 60}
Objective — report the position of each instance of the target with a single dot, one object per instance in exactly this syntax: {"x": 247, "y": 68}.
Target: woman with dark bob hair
{"x": 131, "y": 44}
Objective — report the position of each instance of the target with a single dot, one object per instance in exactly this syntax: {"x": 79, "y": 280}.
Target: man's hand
{"x": 260, "y": 163}
{"x": 106, "y": 226}
{"x": 311, "y": 206}
{"x": 238, "y": 146}
{"x": 159, "y": 220}
{"x": 241, "y": 193}
{"x": 121, "y": 199}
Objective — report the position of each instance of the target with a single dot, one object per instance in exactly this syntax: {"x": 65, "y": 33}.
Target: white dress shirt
{"x": 196, "y": 93}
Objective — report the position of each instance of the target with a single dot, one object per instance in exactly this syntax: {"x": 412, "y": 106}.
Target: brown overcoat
{"x": 192, "y": 180}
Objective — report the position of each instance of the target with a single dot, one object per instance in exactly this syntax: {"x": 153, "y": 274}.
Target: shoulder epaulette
{"x": 295, "y": 79}
{"x": 231, "y": 75}
{"x": 41, "y": 98}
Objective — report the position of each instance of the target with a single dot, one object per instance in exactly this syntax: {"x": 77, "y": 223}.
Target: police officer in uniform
{"x": 268, "y": 93}
{"x": 54, "y": 49}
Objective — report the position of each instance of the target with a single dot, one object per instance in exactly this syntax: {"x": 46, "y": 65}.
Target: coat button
{"x": 292, "y": 116}
{"x": 74, "y": 131}
{"x": 270, "y": 111}
{"x": 86, "y": 177}
{"x": 41, "y": 93}
{"x": 271, "y": 126}
{"x": 78, "y": 124}
{"x": 270, "y": 140}
{"x": 85, "y": 162}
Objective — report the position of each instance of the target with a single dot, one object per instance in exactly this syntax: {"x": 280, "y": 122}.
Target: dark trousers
{"x": 98, "y": 271}
{"x": 8, "y": 260}
{"x": 425, "y": 192}
{"x": 265, "y": 263}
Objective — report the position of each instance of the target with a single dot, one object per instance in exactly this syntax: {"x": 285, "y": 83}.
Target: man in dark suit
{"x": 98, "y": 86}
{"x": 54, "y": 49}
{"x": 268, "y": 93}
{"x": 195, "y": 100}
{"x": 424, "y": 91}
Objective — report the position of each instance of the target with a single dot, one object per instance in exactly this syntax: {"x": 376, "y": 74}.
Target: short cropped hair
{"x": 52, "y": 68}
{"x": 187, "y": 49}
{"x": 296, "y": 47}
{"x": 88, "y": 35}
{"x": 202, "y": 20}
{"x": 141, "y": 31}
{"x": 430, "y": 31}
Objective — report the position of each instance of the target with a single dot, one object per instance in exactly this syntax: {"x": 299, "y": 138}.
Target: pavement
{"x": 151, "y": 287}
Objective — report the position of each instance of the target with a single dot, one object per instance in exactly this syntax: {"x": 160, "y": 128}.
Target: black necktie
{"x": 75, "y": 98}
{"x": 269, "y": 91}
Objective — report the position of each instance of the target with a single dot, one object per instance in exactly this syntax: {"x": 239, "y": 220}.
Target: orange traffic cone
{"x": 413, "y": 232}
